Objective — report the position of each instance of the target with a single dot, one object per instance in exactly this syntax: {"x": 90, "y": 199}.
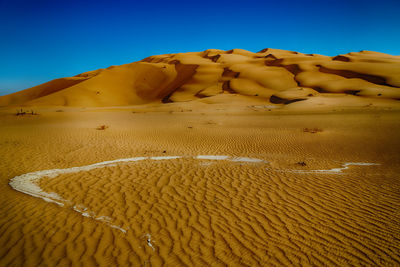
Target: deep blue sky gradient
{"x": 41, "y": 40}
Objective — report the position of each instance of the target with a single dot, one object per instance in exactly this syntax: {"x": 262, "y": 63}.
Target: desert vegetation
{"x": 22, "y": 112}
{"x": 312, "y": 130}
{"x": 102, "y": 127}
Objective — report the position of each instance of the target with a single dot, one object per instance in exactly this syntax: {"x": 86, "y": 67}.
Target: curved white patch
{"x": 27, "y": 183}
{"x": 345, "y": 166}
{"x": 212, "y": 157}
{"x": 244, "y": 159}
{"x": 165, "y": 157}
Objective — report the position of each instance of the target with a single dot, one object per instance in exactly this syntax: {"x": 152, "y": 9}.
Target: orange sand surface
{"x": 291, "y": 185}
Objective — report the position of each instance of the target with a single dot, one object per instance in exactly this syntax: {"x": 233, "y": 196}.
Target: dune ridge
{"x": 271, "y": 75}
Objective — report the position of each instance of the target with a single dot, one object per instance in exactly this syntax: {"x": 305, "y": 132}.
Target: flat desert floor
{"x": 183, "y": 185}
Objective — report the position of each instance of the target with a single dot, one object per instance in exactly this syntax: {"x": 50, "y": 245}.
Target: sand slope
{"x": 272, "y": 75}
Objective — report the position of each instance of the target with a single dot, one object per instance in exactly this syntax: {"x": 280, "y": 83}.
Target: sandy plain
{"x": 207, "y": 210}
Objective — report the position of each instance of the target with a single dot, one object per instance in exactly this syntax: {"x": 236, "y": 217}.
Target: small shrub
{"x": 102, "y": 127}
{"x": 22, "y": 112}
{"x": 312, "y": 130}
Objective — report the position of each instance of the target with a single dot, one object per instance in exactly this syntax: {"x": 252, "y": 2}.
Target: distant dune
{"x": 276, "y": 76}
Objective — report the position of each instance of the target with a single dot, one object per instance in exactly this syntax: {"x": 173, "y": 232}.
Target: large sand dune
{"x": 216, "y": 158}
{"x": 271, "y": 75}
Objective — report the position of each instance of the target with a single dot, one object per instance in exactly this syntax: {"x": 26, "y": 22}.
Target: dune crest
{"x": 276, "y": 76}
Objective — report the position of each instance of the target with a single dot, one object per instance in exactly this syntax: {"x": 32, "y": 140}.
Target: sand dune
{"x": 271, "y": 75}
{"x": 213, "y": 158}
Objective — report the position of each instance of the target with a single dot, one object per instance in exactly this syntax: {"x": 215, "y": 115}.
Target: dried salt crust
{"x": 345, "y": 166}
{"x": 27, "y": 183}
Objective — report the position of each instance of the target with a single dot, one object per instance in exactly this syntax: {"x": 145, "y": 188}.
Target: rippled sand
{"x": 212, "y": 188}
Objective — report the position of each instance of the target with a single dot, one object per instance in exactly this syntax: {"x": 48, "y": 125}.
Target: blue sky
{"x": 42, "y": 40}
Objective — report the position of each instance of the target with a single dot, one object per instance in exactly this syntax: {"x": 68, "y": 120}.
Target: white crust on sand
{"x": 28, "y": 183}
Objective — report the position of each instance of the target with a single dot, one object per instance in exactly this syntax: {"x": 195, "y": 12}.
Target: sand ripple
{"x": 175, "y": 210}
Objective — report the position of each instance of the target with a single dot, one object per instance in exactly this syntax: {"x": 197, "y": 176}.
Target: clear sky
{"x": 45, "y": 39}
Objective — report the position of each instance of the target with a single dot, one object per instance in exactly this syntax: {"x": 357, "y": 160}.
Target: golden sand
{"x": 218, "y": 158}
{"x": 271, "y": 76}
{"x": 220, "y": 183}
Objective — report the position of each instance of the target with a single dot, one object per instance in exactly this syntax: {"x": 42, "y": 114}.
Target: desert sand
{"x": 202, "y": 164}
{"x": 271, "y": 75}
